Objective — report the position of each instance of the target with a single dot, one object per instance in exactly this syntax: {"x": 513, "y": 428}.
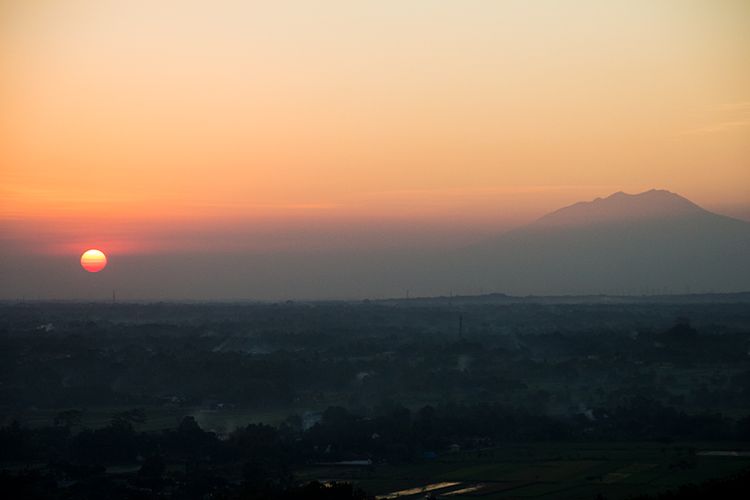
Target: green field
{"x": 564, "y": 471}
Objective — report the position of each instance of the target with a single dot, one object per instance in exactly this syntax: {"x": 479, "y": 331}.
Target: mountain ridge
{"x": 621, "y": 206}
{"x": 652, "y": 239}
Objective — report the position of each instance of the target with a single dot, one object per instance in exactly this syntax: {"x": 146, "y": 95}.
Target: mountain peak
{"x": 620, "y": 207}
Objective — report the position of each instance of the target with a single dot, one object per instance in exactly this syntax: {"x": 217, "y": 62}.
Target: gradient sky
{"x": 170, "y": 126}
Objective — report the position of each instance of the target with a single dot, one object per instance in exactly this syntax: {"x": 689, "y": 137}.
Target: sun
{"x": 93, "y": 260}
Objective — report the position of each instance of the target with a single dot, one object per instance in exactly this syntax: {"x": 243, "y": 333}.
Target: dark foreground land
{"x": 487, "y": 397}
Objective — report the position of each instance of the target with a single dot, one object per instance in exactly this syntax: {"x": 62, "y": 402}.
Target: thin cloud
{"x": 718, "y": 127}
{"x": 736, "y": 106}
{"x": 734, "y": 115}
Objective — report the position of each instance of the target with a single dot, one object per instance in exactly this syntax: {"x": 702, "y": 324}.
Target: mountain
{"x": 620, "y": 207}
{"x": 656, "y": 241}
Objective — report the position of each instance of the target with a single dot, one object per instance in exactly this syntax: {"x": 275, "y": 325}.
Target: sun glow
{"x": 93, "y": 260}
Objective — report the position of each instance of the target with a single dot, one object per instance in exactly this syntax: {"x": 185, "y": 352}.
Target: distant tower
{"x": 113, "y": 296}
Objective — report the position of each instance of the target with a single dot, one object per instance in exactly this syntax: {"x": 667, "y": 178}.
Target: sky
{"x": 215, "y": 127}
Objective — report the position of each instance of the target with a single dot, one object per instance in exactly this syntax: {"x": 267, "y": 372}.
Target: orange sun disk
{"x": 93, "y": 260}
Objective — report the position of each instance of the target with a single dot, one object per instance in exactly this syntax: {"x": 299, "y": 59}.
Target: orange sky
{"x": 165, "y": 125}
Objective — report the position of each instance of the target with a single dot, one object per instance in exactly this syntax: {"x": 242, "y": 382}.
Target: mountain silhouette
{"x": 652, "y": 242}
{"x": 654, "y": 204}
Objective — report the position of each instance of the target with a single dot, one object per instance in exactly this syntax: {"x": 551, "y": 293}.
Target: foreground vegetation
{"x": 448, "y": 451}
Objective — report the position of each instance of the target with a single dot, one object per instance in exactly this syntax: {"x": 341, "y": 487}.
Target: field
{"x": 560, "y": 471}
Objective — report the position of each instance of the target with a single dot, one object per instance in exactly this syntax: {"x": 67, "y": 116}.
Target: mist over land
{"x": 554, "y": 397}
{"x": 655, "y": 242}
